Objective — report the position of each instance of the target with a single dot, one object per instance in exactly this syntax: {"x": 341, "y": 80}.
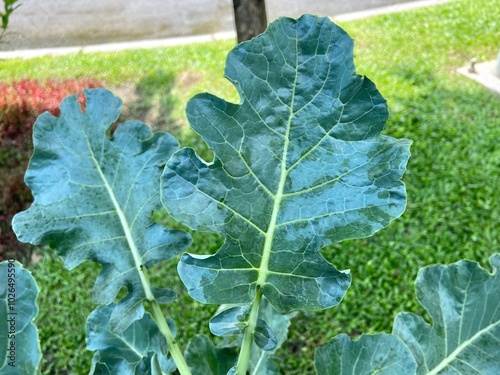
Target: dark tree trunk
{"x": 250, "y": 18}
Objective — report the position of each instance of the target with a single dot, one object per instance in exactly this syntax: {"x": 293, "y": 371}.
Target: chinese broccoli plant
{"x": 299, "y": 163}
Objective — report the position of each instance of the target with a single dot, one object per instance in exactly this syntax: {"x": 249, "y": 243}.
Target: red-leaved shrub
{"x": 20, "y": 104}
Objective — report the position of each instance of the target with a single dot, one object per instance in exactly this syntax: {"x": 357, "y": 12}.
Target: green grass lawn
{"x": 453, "y": 177}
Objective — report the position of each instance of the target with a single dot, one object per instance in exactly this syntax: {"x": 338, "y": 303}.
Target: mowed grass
{"x": 453, "y": 178}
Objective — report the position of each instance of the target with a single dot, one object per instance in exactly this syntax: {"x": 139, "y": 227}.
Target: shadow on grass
{"x": 150, "y": 101}
{"x": 154, "y": 99}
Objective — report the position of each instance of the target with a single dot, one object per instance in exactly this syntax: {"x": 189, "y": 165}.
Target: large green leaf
{"x": 94, "y": 193}
{"x": 19, "y": 347}
{"x": 463, "y": 301}
{"x": 299, "y": 164}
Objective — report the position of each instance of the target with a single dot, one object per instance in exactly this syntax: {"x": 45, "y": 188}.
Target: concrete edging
{"x": 168, "y": 42}
{"x": 483, "y": 73}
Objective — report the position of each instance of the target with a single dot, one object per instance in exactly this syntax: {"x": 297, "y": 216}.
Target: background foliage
{"x": 8, "y": 7}
{"x": 452, "y": 179}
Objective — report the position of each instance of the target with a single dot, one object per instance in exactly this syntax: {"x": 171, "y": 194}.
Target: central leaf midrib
{"x": 125, "y": 226}
{"x": 269, "y": 235}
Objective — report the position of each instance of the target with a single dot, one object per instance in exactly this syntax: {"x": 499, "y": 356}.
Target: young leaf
{"x": 19, "y": 347}
{"x": 264, "y": 336}
{"x": 231, "y": 321}
{"x": 299, "y": 164}
{"x": 137, "y": 350}
{"x": 93, "y": 196}
{"x": 463, "y": 301}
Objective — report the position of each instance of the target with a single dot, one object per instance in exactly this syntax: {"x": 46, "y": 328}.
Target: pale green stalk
{"x": 246, "y": 345}
{"x": 173, "y": 347}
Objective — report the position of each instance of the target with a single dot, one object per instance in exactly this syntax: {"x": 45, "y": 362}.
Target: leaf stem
{"x": 173, "y": 347}
{"x": 246, "y": 345}
{"x": 162, "y": 324}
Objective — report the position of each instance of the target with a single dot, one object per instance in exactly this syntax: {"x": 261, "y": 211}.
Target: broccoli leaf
{"x": 299, "y": 163}
{"x": 463, "y": 301}
{"x": 94, "y": 192}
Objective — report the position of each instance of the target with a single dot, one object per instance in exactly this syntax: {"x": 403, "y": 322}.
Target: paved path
{"x": 106, "y": 33}
{"x": 57, "y": 23}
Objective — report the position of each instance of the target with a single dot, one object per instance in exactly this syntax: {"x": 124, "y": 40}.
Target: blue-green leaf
{"x": 264, "y": 336}
{"x": 463, "y": 301}
{"x": 19, "y": 347}
{"x": 140, "y": 349}
{"x": 94, "y": 193}
{"x": 381, "y": 354}
{"x": 299, "y": 163}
